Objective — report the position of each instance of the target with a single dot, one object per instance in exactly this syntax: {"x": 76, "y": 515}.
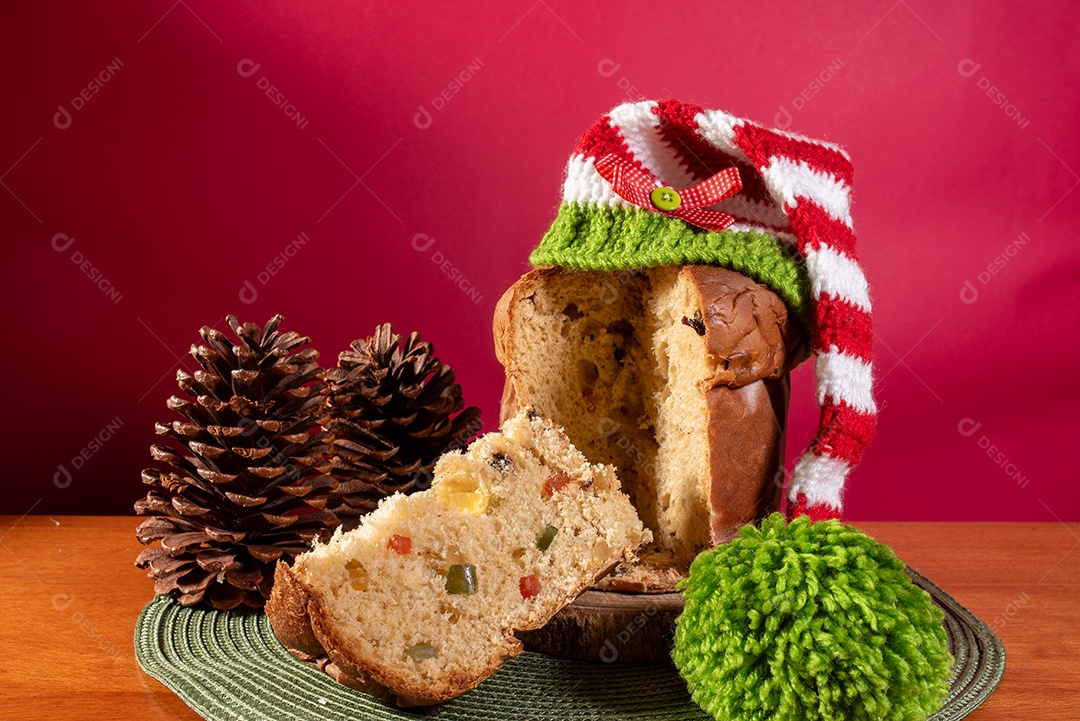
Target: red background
{"x": 180, "y": 180}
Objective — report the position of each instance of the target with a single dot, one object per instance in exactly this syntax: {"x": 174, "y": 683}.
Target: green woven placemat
{"x": 229, "y": 666}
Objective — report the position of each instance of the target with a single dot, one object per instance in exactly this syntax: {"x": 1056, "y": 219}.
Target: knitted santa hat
{"x": 670, "y": 183}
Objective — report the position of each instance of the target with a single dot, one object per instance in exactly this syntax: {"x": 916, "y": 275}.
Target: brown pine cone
{"x": 391, "y": 415}
{"x": 245, "y": 480}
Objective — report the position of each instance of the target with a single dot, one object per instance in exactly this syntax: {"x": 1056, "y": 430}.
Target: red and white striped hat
{"x": 649, "y": 185}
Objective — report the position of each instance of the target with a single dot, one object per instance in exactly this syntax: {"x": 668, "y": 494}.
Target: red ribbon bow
{"x": 642, "y": 189}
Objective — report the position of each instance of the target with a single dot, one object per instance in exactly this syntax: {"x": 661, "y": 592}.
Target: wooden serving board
{"x": 612, "y": 627}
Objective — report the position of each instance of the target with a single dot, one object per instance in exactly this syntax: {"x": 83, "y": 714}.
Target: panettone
{"x": 677, "y": 376}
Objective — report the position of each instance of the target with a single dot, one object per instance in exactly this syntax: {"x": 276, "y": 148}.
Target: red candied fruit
{"x": 400, "y": 545}
{"x": 529, "y": 586}
{"x": 555, "y": 483}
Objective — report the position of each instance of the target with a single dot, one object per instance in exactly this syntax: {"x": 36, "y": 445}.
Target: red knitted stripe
{"x": 841, "y": 324}
{"x": 760, "y": 144}
{"x": 679, "y": 131}
{"x": 678, "y": 113}
{"x": 816, "y": 513}
{"x": 844, "y": 433}
{"x": 602, "y": 138}
{"x": 814, "y": 228}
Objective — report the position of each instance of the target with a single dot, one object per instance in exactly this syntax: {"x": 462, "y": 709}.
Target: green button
{"x": 665, "y": 198}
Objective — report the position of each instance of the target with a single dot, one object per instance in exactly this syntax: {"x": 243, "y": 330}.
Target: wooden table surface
{"x": 69, "y": 597}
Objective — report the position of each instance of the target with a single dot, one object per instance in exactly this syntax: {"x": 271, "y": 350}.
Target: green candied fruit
{"x": 461, "y": 579}
{"x": 420, "y": 651}
{"x": 544, "y": 542}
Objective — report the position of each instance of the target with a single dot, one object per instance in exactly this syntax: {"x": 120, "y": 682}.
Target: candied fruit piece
{"x": 420, "y": 651}
{"x": 473, "y": 502}
{"x": 461, "y": 579}
{"x": 555, "y": 483}
{"x": 529, "y": 586}
{"x": 461, "y": 483}
{"x": 401, "y": 545}
{"x": 544, "y": 542}
{"x": 358, "y": 575}
{"x": 462, "y": 493}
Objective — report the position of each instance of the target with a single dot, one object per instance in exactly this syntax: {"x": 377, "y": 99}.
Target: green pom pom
{"x": 809, "y": 621}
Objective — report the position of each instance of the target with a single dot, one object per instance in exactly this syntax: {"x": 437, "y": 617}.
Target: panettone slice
{"x": 423, "y": 599}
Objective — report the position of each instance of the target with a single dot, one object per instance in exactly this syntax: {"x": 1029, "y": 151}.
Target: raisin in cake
{"x": 423, "y": 599}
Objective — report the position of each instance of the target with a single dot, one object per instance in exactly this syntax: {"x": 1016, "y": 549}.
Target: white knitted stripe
{"x": 845, "y": 378}
{"x": 790, "y": 179}
{"x": 718, "y": 128}
{"x": 820, "y": 479}
{"x": 784, "y": 238}
{"x": 584, "y": 185}
{"x": 833, "y": 273}
{"x": 640, "y": 128}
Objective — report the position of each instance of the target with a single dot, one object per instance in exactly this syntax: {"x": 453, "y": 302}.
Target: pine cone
{"x": 390, "y": 418}
{"x": 246, "y": 469}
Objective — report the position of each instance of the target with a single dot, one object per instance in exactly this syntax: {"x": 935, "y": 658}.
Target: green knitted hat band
{"x": 613, "y": 237}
